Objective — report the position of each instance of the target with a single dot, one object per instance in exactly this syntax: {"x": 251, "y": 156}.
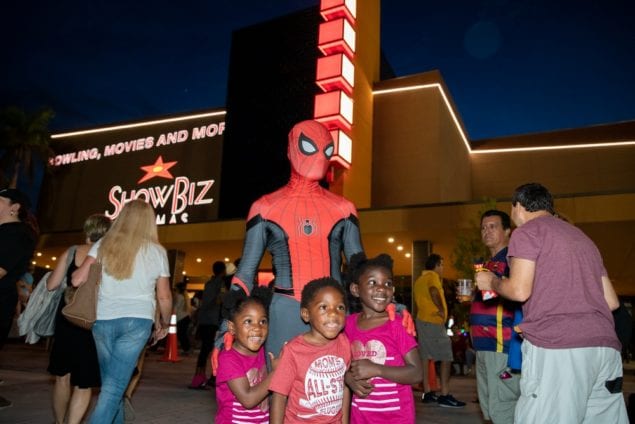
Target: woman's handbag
{"x": 82, "y": 309}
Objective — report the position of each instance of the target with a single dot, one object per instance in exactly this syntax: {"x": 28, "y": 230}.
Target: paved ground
{"x": 162, "y": 396}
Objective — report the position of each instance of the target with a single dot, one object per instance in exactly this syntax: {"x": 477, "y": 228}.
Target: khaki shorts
{"x": 434, "y": 342}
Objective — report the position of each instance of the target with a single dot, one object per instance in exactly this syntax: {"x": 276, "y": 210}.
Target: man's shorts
{"x": 434, "y": 342}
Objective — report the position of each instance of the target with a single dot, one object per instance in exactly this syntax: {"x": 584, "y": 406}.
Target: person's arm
{"x": 346, "y": 406}
{"x": 277, "y": 407}
{"x": 24, "y": 290}
{"x": 80, "y": 275}
{"x": 250, "y": 396}
{"x": 164, "y": 299}
{"x": 409, "y": 373}
{"x": 3, "y": 272}
{"x": 362, "y": 387}
{"x": 435, "y": 295}
{"x": 56, "y": 277}
{"x": 609, "y": 294}
{"x": 517, "y": 287}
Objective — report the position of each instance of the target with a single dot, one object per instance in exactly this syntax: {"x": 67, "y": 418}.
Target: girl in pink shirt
{"x": 383, "y": 352}
{"x": 242, "y": 380}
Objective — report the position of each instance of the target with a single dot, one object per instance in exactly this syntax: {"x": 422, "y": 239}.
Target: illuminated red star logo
{"x": 159, "y": 169}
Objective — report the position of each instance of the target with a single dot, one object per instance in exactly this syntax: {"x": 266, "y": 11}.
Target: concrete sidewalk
{"x": 162, "y": 396}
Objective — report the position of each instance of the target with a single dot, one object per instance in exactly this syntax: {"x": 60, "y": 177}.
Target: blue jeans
{"x": 119, "y": 343}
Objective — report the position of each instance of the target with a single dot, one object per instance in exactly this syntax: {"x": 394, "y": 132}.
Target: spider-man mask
{"x": 310, "y": 149}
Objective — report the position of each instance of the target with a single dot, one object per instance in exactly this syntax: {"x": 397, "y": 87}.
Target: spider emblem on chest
{"x": 307, "y": 226}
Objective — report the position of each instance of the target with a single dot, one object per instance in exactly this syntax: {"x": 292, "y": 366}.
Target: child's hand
{"x": 361, "y": 387}
{"x": 158, "y": 334}
{"x": 363, "y": 369}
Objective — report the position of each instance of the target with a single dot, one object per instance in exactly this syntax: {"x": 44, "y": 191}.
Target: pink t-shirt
{"x": 566, "y": 308}
{"x": 312, "y": 378}
{"x": 387, "y": 344}
{"x": 232, "y": 365}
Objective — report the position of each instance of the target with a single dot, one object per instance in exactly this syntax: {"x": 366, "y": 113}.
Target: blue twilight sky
{"x": 512, "y": 66}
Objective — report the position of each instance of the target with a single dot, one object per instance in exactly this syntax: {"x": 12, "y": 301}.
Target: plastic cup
{"x": 464, "y": 289}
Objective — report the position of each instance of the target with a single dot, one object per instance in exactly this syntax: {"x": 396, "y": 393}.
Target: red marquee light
{"x": 337, "y": 36}
{"x": 335, "y": 75}
{"x": 335, "y": 72}
{"x": 334, "y": 109}
{"x": 343, "y": 148}
{"x": 333, "y": 9}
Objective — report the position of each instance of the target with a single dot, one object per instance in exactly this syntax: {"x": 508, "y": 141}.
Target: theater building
{"x": 403, "y": 156}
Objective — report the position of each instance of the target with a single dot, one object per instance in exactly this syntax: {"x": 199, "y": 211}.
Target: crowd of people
{"x": 297, "y": 350}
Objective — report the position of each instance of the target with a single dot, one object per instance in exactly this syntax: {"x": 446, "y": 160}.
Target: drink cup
{"x": 464, "y": 289}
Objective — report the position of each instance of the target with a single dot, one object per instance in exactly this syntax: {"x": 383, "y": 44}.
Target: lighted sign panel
{"x": 334, "y": 109}
{"x": 337, "y": 36}
{"x": 174, "y": 164}
{"x": 333, "y": 9}
{"x": 343, "y": 147}
{"x": 335, "y": 72}
{"x": 335, "y": 75}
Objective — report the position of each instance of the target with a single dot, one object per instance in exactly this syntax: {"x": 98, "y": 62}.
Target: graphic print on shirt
{"x": 373, "y": 350}
{"x": 385, "y": 395}
{"x": 324, "y": 386}
{"x": 255, "y": 376}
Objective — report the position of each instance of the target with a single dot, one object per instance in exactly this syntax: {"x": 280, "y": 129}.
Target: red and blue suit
{"x": 304, "y": 227}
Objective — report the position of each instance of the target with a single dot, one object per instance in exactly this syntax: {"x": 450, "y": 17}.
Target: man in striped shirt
{"x": 491, "y": 326}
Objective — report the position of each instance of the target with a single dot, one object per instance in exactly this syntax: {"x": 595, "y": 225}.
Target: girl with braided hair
{"x": 384, "y": 354}
{"x": 242, "y": 380}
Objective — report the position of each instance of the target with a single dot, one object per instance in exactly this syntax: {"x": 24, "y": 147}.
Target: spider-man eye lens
{"x": 307, "y": 146}
{"x": 328, "y": 152}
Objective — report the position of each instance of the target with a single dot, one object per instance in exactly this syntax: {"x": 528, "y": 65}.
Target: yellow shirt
{"x": 426, "y": 309}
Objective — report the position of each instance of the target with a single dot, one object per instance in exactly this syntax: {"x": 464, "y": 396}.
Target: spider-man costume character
{"x": 304, "y": 227}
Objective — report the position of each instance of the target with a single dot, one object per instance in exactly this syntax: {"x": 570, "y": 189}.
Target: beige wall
{"x": 590, "y": 170}
{"x": 419, "y": 156}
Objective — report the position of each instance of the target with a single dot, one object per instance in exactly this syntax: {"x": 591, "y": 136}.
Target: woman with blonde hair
{"x": 73, "y": 359}
{"x": 134, "y": 274}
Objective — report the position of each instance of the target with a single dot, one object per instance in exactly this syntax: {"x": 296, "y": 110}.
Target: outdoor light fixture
{"x": 333, "y": 9}
{"x": 497, "y": 150}
{"x": 337, "y": 36}
{"x": 335, "y": 72}
{"x": 138, "y": 124}
{"x": 334, "y": 109}
{"x": 335, "y": 75}
{"x": 343, "y": 148}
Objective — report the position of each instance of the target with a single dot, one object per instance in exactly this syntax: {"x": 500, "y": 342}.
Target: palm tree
{"x": 24, "y": 144}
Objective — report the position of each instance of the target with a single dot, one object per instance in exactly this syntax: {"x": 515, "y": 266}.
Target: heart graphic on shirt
{"x": 373, "y": 350}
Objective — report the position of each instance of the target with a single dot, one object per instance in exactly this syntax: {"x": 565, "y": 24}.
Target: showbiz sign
{"x": 174, "y": 164}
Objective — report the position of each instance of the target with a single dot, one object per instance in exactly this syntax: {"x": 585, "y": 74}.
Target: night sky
{"x": 512, "y": 67}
